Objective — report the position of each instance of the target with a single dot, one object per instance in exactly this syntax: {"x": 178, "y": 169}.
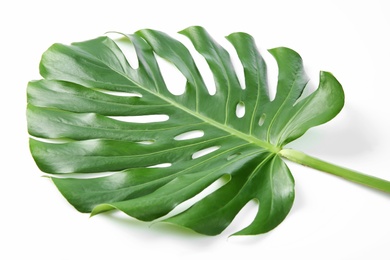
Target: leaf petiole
{"x": 351, "y": 175}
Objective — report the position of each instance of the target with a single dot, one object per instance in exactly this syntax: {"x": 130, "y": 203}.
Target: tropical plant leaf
{"x": 76, "y": 120}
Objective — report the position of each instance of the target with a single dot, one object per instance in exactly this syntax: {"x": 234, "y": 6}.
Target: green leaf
{"x": 99, "y": 161}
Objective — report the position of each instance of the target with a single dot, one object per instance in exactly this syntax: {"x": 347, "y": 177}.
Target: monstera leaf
{"x": 76, "y": 120}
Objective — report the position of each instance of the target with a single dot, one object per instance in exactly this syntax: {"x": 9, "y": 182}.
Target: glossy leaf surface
{"x": 78, "y": 118}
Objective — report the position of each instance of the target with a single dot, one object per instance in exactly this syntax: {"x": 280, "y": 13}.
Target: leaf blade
{"x": 95, "y": 140}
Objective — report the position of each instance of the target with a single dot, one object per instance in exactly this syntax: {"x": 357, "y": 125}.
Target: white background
{"x": 331, "y": 218}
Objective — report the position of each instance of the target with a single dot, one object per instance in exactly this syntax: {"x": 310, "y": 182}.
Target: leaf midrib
{"x": 200, "y": 163}
{"x": 224, "y": 127}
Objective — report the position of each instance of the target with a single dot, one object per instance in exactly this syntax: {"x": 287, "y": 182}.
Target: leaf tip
{"x": 284, "y": 51}
{"x": 196, "y": 29}
{"x": 239, "y": 34}
{"x": 101, "y": 208}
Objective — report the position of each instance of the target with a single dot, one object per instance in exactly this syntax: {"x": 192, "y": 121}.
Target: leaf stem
{"x": 354, "y": 176}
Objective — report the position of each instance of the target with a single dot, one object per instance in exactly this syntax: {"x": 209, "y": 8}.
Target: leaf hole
{"x": 189, "y": 135}
{"x": 232, "y": 156}
{"x": 310, "y": 86}
{"x": 244, "y": 217}
{"x": 204, "y": 152}
{"x": 141, "y": 119}
{"x": 146, "y": 142}
{"x": 161, "y": 165}
{"x": 262, "y": 119}
{"x": 90, "y": 175}
{"x": 201, "y": 64}
{"x": 173, "y": 78}
{"x": 118, "y": 93}
{"x": 128, "y": 51}
{"x": 237, "y": 65}
{"x": 240, "y": 109}
{"x": 207, "y": 191}
{"x": 272, "y": 74}
{"x": 52, "y": 140}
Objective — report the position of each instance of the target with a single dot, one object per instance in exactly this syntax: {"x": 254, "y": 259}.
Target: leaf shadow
{"x": 345, "y": 136}
{"x": 299, "y": 200}
{"x": 158, "y": 231}
{"x": 249, "y": 240}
